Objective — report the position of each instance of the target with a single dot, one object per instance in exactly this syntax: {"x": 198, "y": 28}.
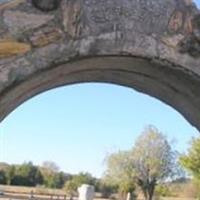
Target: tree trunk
{"x": 151, "y": 189}
{"x": 145, "y": 194}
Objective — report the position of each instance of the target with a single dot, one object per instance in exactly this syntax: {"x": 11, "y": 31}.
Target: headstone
{"x": 86, "y": 192}
{"x": 128, "y": 196}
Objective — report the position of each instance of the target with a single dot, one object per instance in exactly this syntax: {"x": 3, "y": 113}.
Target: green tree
{"x": 191, "y": 160}
{"x": 151, "y": 161}
{"x": 54, "y": 180}
{"x": 72, "y": 185}
{"x": 3, "y": 179}
{"x": 10, "y": 173}
{"x": 120, "y": 172}
{"x": 105, "y": 189}
{"x": 71, "y": 188}
{"x": 50, "y": 166}
{"x": 28, "y": 175}
{"x": 83, "y": 178}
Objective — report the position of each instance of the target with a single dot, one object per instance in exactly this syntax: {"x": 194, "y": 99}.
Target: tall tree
{"x": 50, "y": 166}
{"x": 153, "y": 160}
{"x": 120, "y": 172}
{"x": 27, "y": 174}
{"x": 150, "y": 161}
{"x": 191, "y": 160}
{"x": 3, "y": 179}
{"x": 10, "y": 173}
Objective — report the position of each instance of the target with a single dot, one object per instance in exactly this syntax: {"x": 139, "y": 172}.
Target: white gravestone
{"x": 86, "y": 192}
{"x": 128, "y": 196}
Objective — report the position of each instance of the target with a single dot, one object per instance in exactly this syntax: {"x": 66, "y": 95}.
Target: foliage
{"x": 191, "y": 160}
{"x": 10, "y": 173}
{"x": 72, "y": 185}
{"x": 50, "y": 166}
{"x": 106, "y": 189}
{"x": 162, "y": 190}
{"x": 47, "y": 175}
{"x": 51, "y": 175}
{"x": 3, "y": 179}
{"x": 26, "y": 174}
{"x": 120, "y": 171}
{"x": 151, "y": 161}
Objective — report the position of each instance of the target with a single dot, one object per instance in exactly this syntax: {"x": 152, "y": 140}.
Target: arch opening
{"x": 168, "y": 84}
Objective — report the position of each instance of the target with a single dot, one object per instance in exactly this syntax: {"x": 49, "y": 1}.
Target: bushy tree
{"x": 150, "y": 161}
{"x": 72, "y": 185}
{"x": 153, "y": 160}
{"x": 28, "y": 175}
{"x": 51, "y": 175}
{"x": 54, "y": 180}
{"x": 106, "y": 189}
{"x": 120, "y": 172}
{"x": 10, "y": 173}
{"x": 191, "y": 160}
{"x": 71, "y": 188}
{"x": 3, "y": 179}
{"x": 50, "y": 166}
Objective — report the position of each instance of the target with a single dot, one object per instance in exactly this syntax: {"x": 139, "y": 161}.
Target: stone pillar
{"x": 86, "y": 192}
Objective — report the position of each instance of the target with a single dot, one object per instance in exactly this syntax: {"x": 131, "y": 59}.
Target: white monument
{"x": 86, "y": 192}
{"x": 128, "y": 196}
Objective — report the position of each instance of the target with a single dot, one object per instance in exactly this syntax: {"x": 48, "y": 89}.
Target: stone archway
{"x": 152, "y": 46}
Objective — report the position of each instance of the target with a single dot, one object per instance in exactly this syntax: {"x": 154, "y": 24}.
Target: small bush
{"x": 162, "y": 190}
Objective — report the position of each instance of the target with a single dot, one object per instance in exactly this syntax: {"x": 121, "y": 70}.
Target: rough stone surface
{"x": 46, "y": 5}
{"x": 19, "y": 22}
{"x": 191, "y": 43}
{"x": 12, "y": 48}
{"x": 72, "y": 18}
{"x": 45, "y": 36}
{"x": 152, "y": 46}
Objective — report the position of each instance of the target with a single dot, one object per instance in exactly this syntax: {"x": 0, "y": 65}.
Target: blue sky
{"x": 77, "y": 126}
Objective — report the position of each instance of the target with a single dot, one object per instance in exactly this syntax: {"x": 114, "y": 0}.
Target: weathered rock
{"x": 176, "y": 22}
{"x": 135, "y": 43}
{"x": 11, "y": 4}
{"x": 188, "y": 2}
{"x": 10, "y": 48}
{"x": 46, "y": 5}
{"x": 72, "y": 18}
{"x": 173, "y": 41}
{"x": 45, "y": 36}
{"x": 191, "y": 43}
{"x": 18, "y": 22}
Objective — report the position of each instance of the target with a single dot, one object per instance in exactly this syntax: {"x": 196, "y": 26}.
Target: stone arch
{"x": 151, "y": 46}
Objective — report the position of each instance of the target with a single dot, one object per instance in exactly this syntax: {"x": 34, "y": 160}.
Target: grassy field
{"x": 173, "y": 198}
{"x": 20, "y": 193}
{"x": 27, "y": 190}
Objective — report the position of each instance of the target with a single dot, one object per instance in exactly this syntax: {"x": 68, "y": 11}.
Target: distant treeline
{"x": 28, "y": 174}
{"x": 49, "y": 175}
